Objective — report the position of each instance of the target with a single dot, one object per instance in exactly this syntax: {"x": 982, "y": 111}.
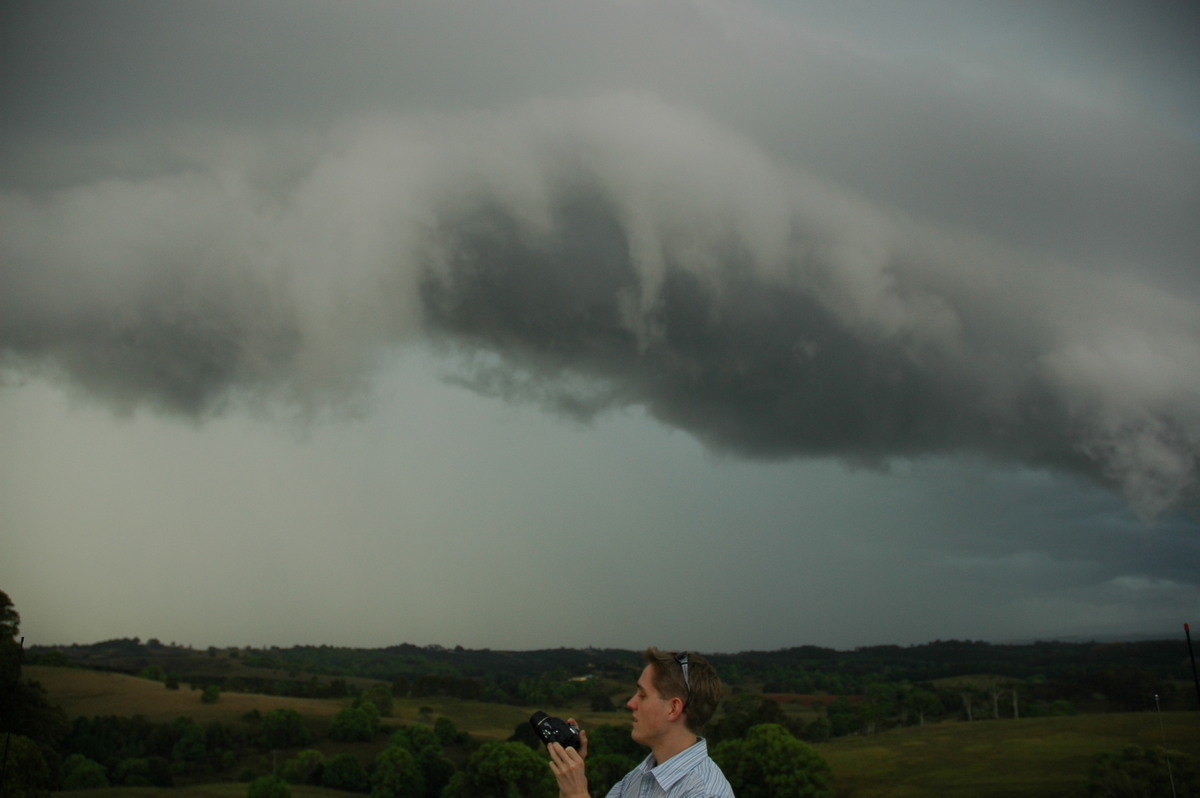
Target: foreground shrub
{"x": 504, "y": 770}
{"x": 268, "y": 787}
{"x": 81, "y": 773}
{"x": 345, "y": 772}
{"x": 770, "y": 763}
{"x": 397, "y": 775}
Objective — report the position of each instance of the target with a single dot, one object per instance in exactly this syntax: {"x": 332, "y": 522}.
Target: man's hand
{"x": 567, "y": 766}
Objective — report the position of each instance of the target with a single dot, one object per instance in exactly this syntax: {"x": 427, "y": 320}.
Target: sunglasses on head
{"x": 682, "y": 659}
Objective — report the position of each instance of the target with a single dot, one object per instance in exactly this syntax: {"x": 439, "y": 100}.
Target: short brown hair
{"x": 702, "y": 692}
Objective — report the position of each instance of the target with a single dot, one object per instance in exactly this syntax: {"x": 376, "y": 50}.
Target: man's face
{"x": 650, "y": 710}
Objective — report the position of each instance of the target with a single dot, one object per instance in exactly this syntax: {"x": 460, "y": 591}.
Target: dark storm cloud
{"x": 750, "y": 364}
{"x": 758, "y": 361}
{"x": 631, "y": 252}
{"x": 866, "y": 256}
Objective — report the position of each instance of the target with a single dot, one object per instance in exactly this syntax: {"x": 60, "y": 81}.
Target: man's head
{"x": 687, "y": 676}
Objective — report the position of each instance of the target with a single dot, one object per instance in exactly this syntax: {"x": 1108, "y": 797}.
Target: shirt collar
{"x": 678, "y": 766}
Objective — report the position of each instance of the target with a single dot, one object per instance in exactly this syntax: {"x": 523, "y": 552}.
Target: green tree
{"x": 210, "y": 694}
{"x": 819, "y": 731}
{"x": 879, "y": 708}
{"x": 425, "y": 745}
{"x": 397, "y": 774}
{"x": 304, "y": 768}
{"x": 355, "y": 724}
{"x": 380, "y": 696}
{"x": 919, "y": 704}
{"x": 10, "y": 648}
{"x": 743, "y": 711}
{"x": 447, "y": 733}
{"x": 345, "y": 772}
{"x": 268, "y": 787}
{"x": 192, "y": 745}
{"x": 605, "y": 770}
{"x": 81, "y": 773}
{"x": 770, "y": 763}
{"x": 503, "y": 770}
{"x": 25, "y": 709}
{"x": 10, "y": 619}
{"x": 132, "y": 772}
{"x": 843, "y": 719}
{"x": 414, "y": 738}
{"x": 283, "y": 728}
{"x": 154, "y": 673}
{"x": 26, "y": 774}
{"x": 610, "y": 739}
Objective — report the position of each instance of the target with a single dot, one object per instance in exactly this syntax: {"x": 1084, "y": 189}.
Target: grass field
{"x": 87, "y": 693}
{"x": 1032, "y": 758}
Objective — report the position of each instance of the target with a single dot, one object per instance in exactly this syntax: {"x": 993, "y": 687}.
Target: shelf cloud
{"x": 609, "y": 251}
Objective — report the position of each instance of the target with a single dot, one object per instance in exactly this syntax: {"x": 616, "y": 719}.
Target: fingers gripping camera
{"x": 555, "y": 730}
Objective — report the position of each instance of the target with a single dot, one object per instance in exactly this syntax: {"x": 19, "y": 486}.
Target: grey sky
{"x": 717, "y": 325}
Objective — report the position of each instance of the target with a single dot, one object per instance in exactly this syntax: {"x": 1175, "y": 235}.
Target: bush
{"x": 210, "y": 695}
{"x": 355, "y": 724}
{"x": 504, "y": 770}
{"x": 192, "y": 745}
{"x": 424, "y": 744}
{"x": 771, "y": 763}
{"x": 304, "y": 768}
{"x": 605, "y": 770}
{"x": 154, "y": 673}
{"x": 396, "y": 775}
{"x": 268, "y": 787}
{"x": 345, "y": 772}
{"x": 380, "y": 696}
{"x": 81, "y": 773}
{"x": 132, "y": 772}
{"x": 447, "y": 733}
{"x": 283, "y": 728}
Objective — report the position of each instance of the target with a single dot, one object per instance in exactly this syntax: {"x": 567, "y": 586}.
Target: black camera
{"x": 554, "y": 730}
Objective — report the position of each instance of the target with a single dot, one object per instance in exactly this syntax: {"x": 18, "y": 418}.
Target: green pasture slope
{"x": 1029, "y": 758}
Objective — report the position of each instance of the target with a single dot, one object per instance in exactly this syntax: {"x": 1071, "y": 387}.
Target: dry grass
{"x": 86, "y": 693}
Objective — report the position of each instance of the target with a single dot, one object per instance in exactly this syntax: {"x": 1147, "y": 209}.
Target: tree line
{"x": 1090, "y": 676}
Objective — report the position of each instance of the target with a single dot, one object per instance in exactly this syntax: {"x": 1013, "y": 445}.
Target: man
{"x": 676, "y": 695}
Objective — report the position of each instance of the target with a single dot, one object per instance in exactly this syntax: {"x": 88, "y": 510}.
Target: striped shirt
{"x": 688, "y": 774}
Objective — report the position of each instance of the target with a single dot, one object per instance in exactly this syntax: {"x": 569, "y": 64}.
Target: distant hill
{"x": 1125, "y": 674}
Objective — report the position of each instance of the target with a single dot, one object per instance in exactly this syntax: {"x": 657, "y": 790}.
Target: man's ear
{"x": 676, "y": 708}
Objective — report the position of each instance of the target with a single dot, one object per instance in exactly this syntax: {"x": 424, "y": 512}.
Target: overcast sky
{"x": 700, "y": 324}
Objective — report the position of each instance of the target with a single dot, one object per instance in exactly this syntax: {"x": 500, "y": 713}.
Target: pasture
{"x": 1032, "y": 758}
{"x": 88, "y": 693}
